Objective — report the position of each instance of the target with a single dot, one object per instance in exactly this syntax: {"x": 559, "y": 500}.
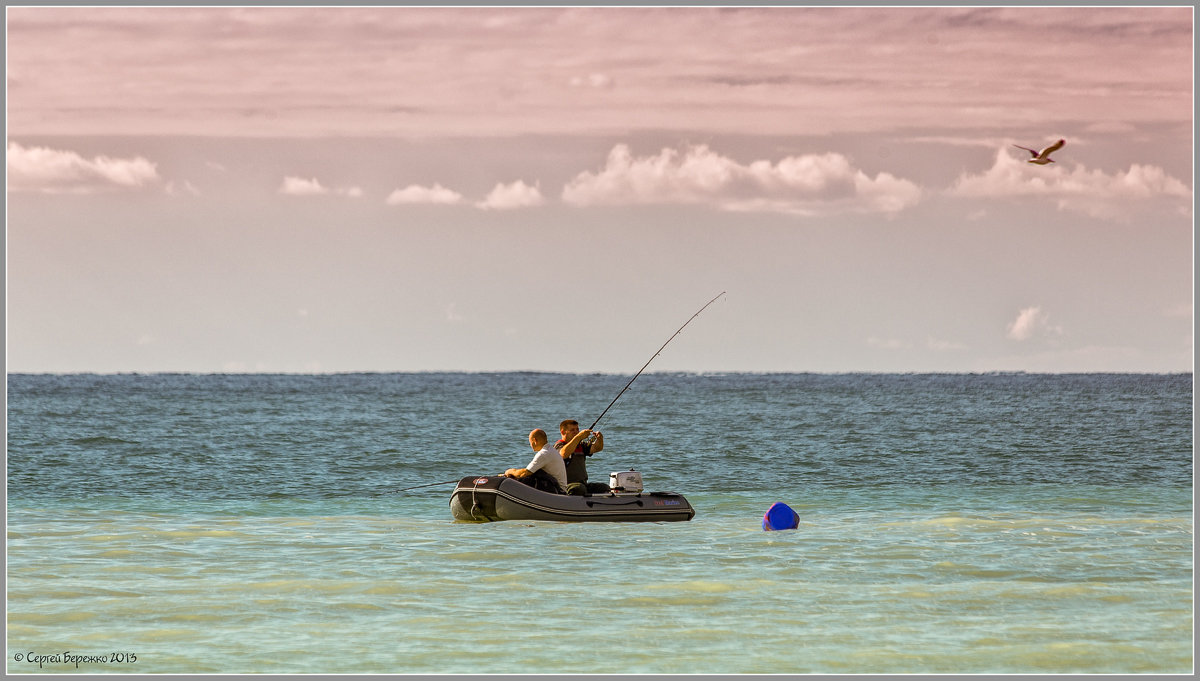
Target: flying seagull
{"x": 1042, "y": 157}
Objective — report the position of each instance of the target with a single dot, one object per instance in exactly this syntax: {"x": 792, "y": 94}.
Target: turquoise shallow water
{"x": 949, "y": 524}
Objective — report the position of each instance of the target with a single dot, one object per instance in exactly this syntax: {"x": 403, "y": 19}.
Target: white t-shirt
{"x": 549, "y": 459}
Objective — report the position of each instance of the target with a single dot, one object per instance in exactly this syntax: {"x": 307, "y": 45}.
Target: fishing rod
{"x": 610, "y": 404}
{"x": 639, "y": 373}
{"x": 429, "y": 485}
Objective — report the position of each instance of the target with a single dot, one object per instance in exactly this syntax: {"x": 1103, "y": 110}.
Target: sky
{"x": 305, "y": 189}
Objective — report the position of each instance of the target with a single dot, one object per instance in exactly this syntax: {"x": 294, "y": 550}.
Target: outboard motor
{"x": 625, "y": 482}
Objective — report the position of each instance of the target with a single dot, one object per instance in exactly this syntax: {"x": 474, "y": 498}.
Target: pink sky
{"x": 483, "y": 71}
{"x": 847, "y": 174}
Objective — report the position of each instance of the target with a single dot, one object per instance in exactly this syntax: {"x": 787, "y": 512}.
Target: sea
{"x": 1002, "y": 523}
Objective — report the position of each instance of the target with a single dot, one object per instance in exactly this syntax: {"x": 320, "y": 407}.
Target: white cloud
{"x": 940, "y": 345}
{"x": 1032, "y": 321}
{"x": 510, "y": 196}
{"x": 805, "y": 185}
{"x": 1093, "y": 192}
{"x": 181, "y": 188}
{"x": 888, "y": 343}
{"x": 298, "y": 186}
{"x": 599, "y": 81}
{"x": 1023, "y": 326}
{"x": 452, "y": 313}
{"x": 41, "y": 169}
{"x": 416, "y": 194}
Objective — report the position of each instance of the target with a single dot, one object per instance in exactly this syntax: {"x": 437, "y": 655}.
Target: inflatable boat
{"x": 495, "y": 497}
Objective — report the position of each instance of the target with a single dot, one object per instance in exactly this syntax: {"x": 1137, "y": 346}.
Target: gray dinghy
{"x": 494, "y": 497}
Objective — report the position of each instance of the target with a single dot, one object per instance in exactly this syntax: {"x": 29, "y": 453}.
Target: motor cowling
{"x": 625, "y": 482}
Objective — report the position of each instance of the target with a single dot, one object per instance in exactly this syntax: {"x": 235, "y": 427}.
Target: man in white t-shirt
{"x": 545, "y": 459}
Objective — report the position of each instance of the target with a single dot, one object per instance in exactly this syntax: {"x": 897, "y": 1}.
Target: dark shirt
{"x": 576, "y": 468}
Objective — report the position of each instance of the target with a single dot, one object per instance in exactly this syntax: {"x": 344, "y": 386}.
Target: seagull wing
{"x": 1031, "y": 151}
{"x": 1052, "y": 148}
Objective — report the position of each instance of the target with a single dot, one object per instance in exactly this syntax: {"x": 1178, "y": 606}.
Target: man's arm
{"x": 538, "y": 462}
{"x": 568, "y": 449}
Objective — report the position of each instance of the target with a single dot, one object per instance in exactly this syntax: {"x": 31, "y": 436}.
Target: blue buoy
{"x": 780, "y": 517}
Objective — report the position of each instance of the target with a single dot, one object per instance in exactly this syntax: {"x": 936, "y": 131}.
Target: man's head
{"x": 568, "y": 428}
{"x": 537, "y": 439}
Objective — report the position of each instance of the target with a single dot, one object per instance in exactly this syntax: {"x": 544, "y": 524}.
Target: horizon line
{"x": 409, "y": 372}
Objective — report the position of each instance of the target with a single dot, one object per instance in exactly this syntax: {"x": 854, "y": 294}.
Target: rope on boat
{"x": 474, "y": 501}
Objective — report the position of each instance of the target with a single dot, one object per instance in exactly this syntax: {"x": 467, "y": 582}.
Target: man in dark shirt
{"x": 574, "y": 450}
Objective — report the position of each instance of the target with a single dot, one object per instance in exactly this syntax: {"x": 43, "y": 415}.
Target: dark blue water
{"x": 249, "y": 436}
